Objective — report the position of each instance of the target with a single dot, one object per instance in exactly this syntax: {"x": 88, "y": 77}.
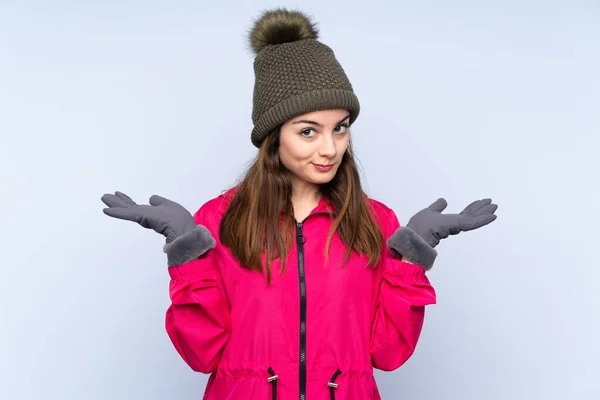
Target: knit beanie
{"x": 294, "y": 72}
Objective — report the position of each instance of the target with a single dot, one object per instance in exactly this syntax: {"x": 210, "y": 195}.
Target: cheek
{"x": 342, "y": 145}
{"x": 297, "y": 162}
{"x": 291, "y": 156}
{"x": 285, "y": 159}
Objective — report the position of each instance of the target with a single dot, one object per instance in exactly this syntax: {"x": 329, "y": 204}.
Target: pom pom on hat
{"x": 280, "y": 26}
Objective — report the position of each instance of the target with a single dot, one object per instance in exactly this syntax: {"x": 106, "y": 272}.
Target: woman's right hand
{"x": 162, "y": 215}
{"x": 186, "y": 240}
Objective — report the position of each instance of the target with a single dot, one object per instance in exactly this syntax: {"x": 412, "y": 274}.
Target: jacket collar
{"x": 324, "y": 205}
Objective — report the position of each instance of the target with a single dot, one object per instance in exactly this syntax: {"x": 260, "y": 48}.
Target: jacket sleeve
{"x": 402, "y": 293}
{"x": 198, "y": 319}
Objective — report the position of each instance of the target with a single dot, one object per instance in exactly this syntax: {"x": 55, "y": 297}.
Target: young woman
{"x": 294, "y": 283}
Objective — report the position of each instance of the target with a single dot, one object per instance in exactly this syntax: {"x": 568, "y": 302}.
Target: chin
{"x": 322, "y": 179}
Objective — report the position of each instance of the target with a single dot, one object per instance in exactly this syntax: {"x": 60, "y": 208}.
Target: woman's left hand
{"x": 415, "y": 242}
{"x": 431, "y": 225}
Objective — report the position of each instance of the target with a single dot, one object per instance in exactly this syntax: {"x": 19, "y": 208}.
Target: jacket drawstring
{"x": 332, "y": 385}
{"x": 273, "y": 381}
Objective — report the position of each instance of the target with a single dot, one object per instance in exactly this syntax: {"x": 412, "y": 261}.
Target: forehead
{"x": 322, "y": 115}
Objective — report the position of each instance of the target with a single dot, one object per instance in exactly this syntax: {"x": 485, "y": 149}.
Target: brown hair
{"x": 256, "y": 224}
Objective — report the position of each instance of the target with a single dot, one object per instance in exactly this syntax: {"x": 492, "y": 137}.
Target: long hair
{"x": 260, "y": 220}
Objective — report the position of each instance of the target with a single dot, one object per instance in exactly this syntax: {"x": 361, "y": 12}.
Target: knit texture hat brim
{"x": 302, "y": 104}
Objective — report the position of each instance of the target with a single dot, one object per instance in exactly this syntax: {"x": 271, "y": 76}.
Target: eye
{"x": 343, "y": 128}
{"x": 305, "y": 133}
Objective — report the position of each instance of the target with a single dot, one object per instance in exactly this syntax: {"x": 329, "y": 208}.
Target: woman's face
{"x": 311, "y": 146}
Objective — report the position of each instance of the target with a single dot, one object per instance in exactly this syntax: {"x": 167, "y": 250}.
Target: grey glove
{"x": 185, "y": 240}
{"x": 416, "y": 240}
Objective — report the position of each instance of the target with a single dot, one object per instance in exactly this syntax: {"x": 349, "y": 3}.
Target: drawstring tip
{"x": 332, "y": 385}
{"x": 273, "y": 377}
{"x": 273, "y": 381}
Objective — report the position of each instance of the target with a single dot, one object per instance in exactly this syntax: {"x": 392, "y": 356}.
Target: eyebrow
{"x": 306, "y": 121}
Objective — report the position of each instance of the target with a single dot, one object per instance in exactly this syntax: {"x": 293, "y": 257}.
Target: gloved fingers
{"x": 438, "y": 205}
{"x": 485, "y": 219}
{"x": 126, "y": 199}
{"x": 474, "y": 206}
{"x": 488, "y": 209}
{"x": 112, "y": 201}
{"x": 157, "y": 200}
{"x": 443, "y": 233}
{"x": 122, "y": 213}
{"x": 449, "y": 224}
{"x": 477, "y": 222}
{"x": 143, "y": 215}
{"x": 454, "y": 230}
{"x": 117, "y": 200}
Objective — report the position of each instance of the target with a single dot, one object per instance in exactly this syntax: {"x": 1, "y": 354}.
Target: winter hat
{"x": 294, "y": 72}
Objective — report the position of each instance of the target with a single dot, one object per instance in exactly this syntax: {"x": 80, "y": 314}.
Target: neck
{"x": 304, "y": 192}
{"x": 305, "y": 197}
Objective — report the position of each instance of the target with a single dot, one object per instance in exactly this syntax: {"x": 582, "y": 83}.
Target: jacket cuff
{"x": 409, "y": 245}
{"x": 189, "y": 247}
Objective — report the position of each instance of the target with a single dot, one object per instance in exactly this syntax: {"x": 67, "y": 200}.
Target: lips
{"x": 323, "y": 168}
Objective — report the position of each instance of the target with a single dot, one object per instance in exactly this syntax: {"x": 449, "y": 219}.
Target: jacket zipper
{"x": 300, "y": 240}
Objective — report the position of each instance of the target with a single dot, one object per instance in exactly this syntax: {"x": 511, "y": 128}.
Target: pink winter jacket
{"x": 315, "y": 334}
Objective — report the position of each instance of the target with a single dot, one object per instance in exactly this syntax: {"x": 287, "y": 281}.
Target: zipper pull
{"x": 299, "y": 236}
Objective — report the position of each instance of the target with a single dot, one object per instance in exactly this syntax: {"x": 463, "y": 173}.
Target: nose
{"x": 327, "y": 146}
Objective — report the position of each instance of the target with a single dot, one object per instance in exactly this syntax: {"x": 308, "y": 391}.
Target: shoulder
{"x": 211, "y": 212}
{"x": 380, "y": 208}
{"x": 386, "y": 217}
